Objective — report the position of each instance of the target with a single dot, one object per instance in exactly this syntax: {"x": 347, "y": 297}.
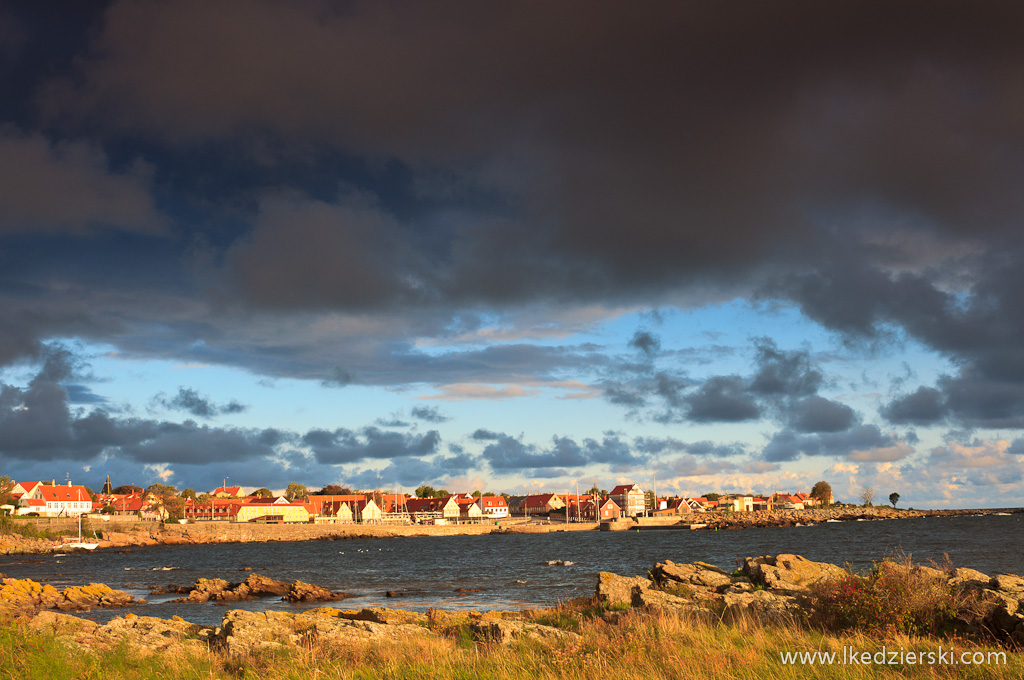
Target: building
{"x": 55, "y": 501}
{"x": 494, "y": 507}
{"x": 228, "y": 492}
{"x": 212, "y": 510}
{"x": 629, "y": 498}
{"x": 277, "y": 510}
{"x": 736, "y": 503}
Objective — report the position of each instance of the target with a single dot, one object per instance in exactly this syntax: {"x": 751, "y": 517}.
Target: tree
{"x": 166, "y": 497}
{"x": 594, "y": 491}
{"x": 334, "y": 490}
{"x": 127, "y": 489}
{"x": 476, "y": 494}
{"x": 263, "y": 493}
{"x": 6, "y": 484}
{"x": 189, "y": 493}
{"x": 425, "y": 492}
{"x": 441, "y": 493}
{"x": 867, "y": 496}
{"x": 711, "y": 496}
{"x": 203, "y": 498}
{"x": 894, "y": 498}
{"x": 822, "y": 492}
{"x": 649, "y": 501}
{"x": 488, "y": 493}
{"x": 295, "y": 490}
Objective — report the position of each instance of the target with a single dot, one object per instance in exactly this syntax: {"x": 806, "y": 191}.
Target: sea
{"x": 517, "y": 571}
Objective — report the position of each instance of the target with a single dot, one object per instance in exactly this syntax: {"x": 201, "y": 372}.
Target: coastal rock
{"x": 243, "y": 632}
{"x": 219, "y": 590}
{"x": 504, "y": 632}
{"x": 151, "y": 634}
{"x": 56, "y": 623}
{"x": 789, "y": 573}
{"x": 968, "y": 578}
{"x": 613, "y": 589}
{"x": 764, "y": 606}
{"x": 1008, "y": 583}
{"x": 699, "y": 574}
{"x": 25, "y": 595}
{"x": 658, "y": 600}
{"x": 384, "y": 615}
{"x": 301, "y": 591}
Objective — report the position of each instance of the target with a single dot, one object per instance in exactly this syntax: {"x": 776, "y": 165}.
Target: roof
{"x": 493, "y": 502}
{"x": 232, "y": 490}
{"x": 426, "y": 504}
{"x": 623, "y": 489}
{"x": 65, "y": 494}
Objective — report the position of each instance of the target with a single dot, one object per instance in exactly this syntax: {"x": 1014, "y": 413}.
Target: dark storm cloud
{"x": 646, "y": 342}
{"x": 347, "y": 446}
{"x": 190, "y": 401}
{"x": 787, "y": 445}
{"x": 506, "y": 453}
{"x": 430, "y": 414}
{"x": 658, "y": 446}
{"x": 783, "y": 374}
{"x": 924, "y": 406}
{"x": 817, "y": 414}
{"x": 722, "y": 399}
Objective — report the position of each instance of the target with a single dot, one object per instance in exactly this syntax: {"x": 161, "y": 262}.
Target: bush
{"x": 894, "y": 597}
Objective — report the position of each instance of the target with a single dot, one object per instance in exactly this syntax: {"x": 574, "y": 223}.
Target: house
{"x": 214, "y": 509}
{"x": 266, "y": 510}
{"x": 760, "y": 503}
{"x": 783, "y": 501}
{"x": 494, "y": 507}
{"x": 25, "y": 489}
{"x": 56, "y": 501}
{"x": 736, "y": 503}
{"x": 469, "y": 509}
{"x": 228, "y": 492}
{"x": 629, "y": 498}
{"x": 368, "y": 512}
{"x": 542, "y": 504}
{"x": 124, "y": 504}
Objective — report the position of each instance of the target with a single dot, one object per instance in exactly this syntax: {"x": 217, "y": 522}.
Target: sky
{"x": 702, "y": 246}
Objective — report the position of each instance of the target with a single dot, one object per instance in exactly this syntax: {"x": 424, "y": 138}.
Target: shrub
{"x": 894, "y": 597}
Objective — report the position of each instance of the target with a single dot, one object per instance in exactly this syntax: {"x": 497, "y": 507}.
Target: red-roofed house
{"x": 271, "y": 511}
{"x": 424, "y": 510}
{"x": 228, "y": 492}
{"x": 494, "y": 507}
{"x": 22, "y": 489}
{"x": 606, "y": 509}
{"x": 629, "y": 498}
{"x": 541, "y": 504}
{"x": 57, "y": 501}
{"x": 469, "y": 509}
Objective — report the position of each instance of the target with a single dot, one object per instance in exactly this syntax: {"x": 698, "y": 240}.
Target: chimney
{"x": 69, "y": 482}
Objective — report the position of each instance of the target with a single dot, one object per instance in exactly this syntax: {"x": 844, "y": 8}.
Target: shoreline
{"x": 117, "y": 535}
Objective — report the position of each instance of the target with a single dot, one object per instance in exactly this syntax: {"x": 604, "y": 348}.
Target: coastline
{"x": 117, "y": 535}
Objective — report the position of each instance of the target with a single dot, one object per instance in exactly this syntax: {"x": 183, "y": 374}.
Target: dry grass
{"x": 638, "y": 646}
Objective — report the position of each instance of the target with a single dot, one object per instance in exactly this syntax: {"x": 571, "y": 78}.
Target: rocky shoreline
{"x": 773, "y": 589}
{"x": 145, "y": 535}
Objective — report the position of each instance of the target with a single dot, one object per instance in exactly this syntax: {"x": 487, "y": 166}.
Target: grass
{"x": 639, "y": 646}
{"x": 28, "y": 529}
{"x": 896, "y": 597}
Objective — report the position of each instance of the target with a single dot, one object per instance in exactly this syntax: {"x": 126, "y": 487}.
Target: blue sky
{"x": 504, "y": 248}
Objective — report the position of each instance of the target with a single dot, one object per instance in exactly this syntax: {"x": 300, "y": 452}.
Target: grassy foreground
{"x": 638, "y": 645}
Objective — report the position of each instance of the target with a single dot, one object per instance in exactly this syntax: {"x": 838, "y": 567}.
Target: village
{"x": 297, "y": 505}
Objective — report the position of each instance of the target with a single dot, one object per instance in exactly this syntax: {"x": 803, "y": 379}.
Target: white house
{"x": 494, "y": 507}
{"x": 629, "y": 498}
{"x": 56, "y": 501}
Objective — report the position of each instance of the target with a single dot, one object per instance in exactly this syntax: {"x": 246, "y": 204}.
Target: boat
{"x": 79, "y": 544}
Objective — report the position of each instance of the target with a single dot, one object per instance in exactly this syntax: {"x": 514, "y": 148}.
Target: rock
{"x": 385, "y": 616}
{"x": 613, "y": 589}
{"x": 643, "y": 598}
{"x": 699, "y": 574}
{"x": 150, "y": 634}
{"x": 790, "y": 573}
{"x": 504, "y": 632}
{"x": 968, "y": 578}
{"x": 764, "y": 606}
{"x": 255, "y": 585}
{"x": 243, "y": 632}
{"x": 61, "y": 624}
{"x": 307, "y": 592}
{"x": 929, "y": 573}
{"x": 25, "y": 595}
{"x": 1009, "y": 583}
{"x": 1006, "y": 614}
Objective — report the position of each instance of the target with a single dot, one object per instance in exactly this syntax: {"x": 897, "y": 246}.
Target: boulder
{"x": 764, "y": 606}
{"x": 968, "y": 578}
{"x": 150, "y": 634}
{"x": 61, "y": 624}
{"x": 698, "y": 574}
{"x": 613, "y": 589}
{"x": 790, "y": 573}
{"x": 301, "y": 591}
{"x": 94, "y": 595}
{"x": 658, "y": 600}
{"x": 25, "y": 595}
{"x": 1008, "y": 583}
{"x": 385, "y": 616}
{"x": 504, "y": 632}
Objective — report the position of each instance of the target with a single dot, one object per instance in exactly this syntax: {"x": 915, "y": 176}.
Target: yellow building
{"x": 272, "y": 511}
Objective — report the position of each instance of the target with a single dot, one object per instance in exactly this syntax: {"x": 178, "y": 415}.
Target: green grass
{"x": 27, "y": 528}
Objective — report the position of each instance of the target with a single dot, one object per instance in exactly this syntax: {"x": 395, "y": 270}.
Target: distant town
{"x": 339, "y": 505}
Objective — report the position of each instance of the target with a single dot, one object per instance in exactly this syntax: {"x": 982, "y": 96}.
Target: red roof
{"x": 539, "y": 501}
{"x": 622, "y": 489}
{"x": 233, "y": 490}
{"x": 65, "y": 494}
{"x": 425, "y": 504}
{"x": 494, "y": 502}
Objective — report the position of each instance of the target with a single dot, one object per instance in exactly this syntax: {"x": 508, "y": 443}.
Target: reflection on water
{"x": 510, "y": 571}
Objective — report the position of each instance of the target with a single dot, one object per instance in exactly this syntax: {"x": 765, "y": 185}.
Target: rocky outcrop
{"x": 254, "y": 586}
{"x": 789, "y": 573}
{"x": 613, "y": 589}
{"x": 505, "y": 632}
{"x": 19, "y": 596}
{"x": 243, "y": 632}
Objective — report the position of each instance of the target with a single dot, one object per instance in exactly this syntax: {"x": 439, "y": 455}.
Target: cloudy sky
{"x": 515, "y": 246}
